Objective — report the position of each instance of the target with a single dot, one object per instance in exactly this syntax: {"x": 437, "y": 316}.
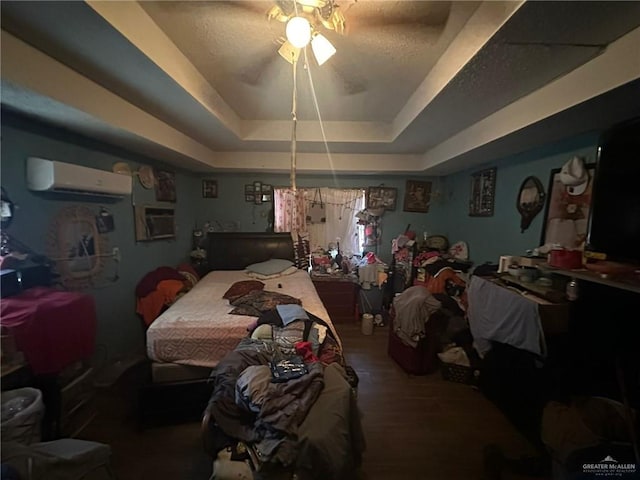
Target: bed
{"x": 199, "y": 328}
{"x": 187, "y": 340}
{"x": 181, "y": 349}
{"x": 198, "y": 338}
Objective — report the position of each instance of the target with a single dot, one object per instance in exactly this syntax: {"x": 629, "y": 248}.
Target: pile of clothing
{"x": 161, "y": 287}
{"x": 276, "y": 394}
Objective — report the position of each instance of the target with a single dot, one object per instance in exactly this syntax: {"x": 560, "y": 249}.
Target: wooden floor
{"x": 422, "y": 427}
{"x": 416, "y": 427}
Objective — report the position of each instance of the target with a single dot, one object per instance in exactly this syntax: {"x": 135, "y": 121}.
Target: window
{"x": 340, "y": 223}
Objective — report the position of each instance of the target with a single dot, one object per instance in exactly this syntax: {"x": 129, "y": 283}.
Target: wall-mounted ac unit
{"x": 53, "y": 176}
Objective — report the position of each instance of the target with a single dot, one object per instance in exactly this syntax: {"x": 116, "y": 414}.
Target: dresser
{"x": 339, "y": 294}
{"x": 55, "y": 330}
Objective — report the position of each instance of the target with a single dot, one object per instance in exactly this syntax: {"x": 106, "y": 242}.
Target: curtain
{"x": 341, "y": 206}
{"x": 289, "y": 210}
{"x": 341, "y": 225}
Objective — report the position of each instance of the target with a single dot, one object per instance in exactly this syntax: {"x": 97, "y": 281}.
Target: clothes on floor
{"x": 413, "y": 307}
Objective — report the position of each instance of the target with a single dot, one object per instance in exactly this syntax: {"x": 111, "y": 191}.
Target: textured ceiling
{"x": 416, "y": 87}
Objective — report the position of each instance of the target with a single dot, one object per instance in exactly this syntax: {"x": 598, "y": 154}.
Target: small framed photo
{"x": 258, "y": 198}
{"x": 209, "y": 188}
{"x": 248, "y": 188}
{"x": 249, "y": 197}
{"x": 257, "y": 187}
{"x": 266, "y": 197}
{"x": 266, "y": 189}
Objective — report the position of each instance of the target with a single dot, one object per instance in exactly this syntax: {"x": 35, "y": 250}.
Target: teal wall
{"x": 119, "y": 330}
{"x": 230, "y": 205}
{"x": 490, "y": 237}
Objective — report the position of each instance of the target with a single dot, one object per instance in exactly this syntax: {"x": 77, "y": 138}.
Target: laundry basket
{"x": 22, "y": 412}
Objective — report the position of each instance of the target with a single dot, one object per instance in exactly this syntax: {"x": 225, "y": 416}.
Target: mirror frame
{"x": 76, "y": 246}
{"x": 528, "y": 214}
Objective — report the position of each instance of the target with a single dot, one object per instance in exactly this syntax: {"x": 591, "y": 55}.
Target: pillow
{"x": 238, "y": 289}
{"x": 259, "y": 276}
{"x": 301, "y": 250}
{"x": 262, "y": 332}
{"x": 270, "y": 267}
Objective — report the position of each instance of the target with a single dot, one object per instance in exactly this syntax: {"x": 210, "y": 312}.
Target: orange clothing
{"x": 437, "y": 283}
{"x": 151, "y": 305}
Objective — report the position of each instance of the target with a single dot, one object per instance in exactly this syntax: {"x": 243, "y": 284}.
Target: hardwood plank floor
{"x": 422, "y": 427}
{"x": 416, "y": 427}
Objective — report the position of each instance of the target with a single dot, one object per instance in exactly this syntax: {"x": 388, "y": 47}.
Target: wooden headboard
{"x": 236, "y": 250}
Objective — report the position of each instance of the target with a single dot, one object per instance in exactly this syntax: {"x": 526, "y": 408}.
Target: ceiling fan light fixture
{"x": 322, "y": 48}
{"x": 298, "y": 32}
{"x": 289, "y": 52}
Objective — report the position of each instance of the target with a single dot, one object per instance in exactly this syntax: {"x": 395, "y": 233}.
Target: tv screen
{"x": 614, "y": 220}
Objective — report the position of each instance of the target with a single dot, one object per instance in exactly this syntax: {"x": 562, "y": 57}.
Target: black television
{"x": 614, "y": 219}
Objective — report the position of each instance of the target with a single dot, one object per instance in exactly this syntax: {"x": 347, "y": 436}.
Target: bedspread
{"x": 199, "y": 329}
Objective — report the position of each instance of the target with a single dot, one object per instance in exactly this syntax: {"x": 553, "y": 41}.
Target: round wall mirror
{"x": 76, "y": 246}
{"x": 530, "y": 201}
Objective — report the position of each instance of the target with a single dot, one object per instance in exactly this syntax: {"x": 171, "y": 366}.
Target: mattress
{"x": 199, "y": 330}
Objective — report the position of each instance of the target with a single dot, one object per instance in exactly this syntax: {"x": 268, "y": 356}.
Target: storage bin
{"x": 458, "y": 373}
{"x": 22, "y": 412}
{"x": 423, "y": 358}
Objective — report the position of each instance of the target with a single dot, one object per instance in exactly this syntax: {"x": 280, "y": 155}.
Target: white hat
{"x": 575, "y": 176}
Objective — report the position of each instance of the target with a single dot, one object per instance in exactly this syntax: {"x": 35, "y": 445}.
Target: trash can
{"x": 21, "y": 416}
{"x": 367, "y": 324}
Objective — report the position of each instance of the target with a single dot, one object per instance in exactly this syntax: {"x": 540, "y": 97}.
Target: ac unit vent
{"x": 53, "y": 176}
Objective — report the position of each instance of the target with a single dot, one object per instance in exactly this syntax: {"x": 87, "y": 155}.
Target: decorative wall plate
{"x": 122, "y": 168}
{"x": 146, "y": 176}
{"x": 439, "y": 242}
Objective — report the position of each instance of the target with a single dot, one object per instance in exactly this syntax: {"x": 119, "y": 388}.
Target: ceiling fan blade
{"x": 397, "y": 16}
{"x": 352, "y": 82}
{"x": 258, "y": 68}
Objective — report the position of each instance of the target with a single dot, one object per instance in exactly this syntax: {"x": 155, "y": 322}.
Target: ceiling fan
{"x": 362, "y": 31}
{"x": 325, "y": 12}
{"x": 304, "y": 20}
{"x": 356, "y": 22}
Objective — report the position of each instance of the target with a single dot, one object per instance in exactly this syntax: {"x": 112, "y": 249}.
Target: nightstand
{"x": 339, "y": 294}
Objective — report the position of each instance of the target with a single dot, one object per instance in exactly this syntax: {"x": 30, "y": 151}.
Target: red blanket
{"x": 52, "y": 328}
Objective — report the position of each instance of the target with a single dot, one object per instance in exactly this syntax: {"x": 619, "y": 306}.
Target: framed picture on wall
{"x": 209, "y": 188}
{"x": 250, "y": 197}
{"x": 483, "y": 193}
{"x": 417, "y": 196}
{"x": 165, "y": 186}
{"x": 567, "y": 211}
{"x": 382, "y": 197}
